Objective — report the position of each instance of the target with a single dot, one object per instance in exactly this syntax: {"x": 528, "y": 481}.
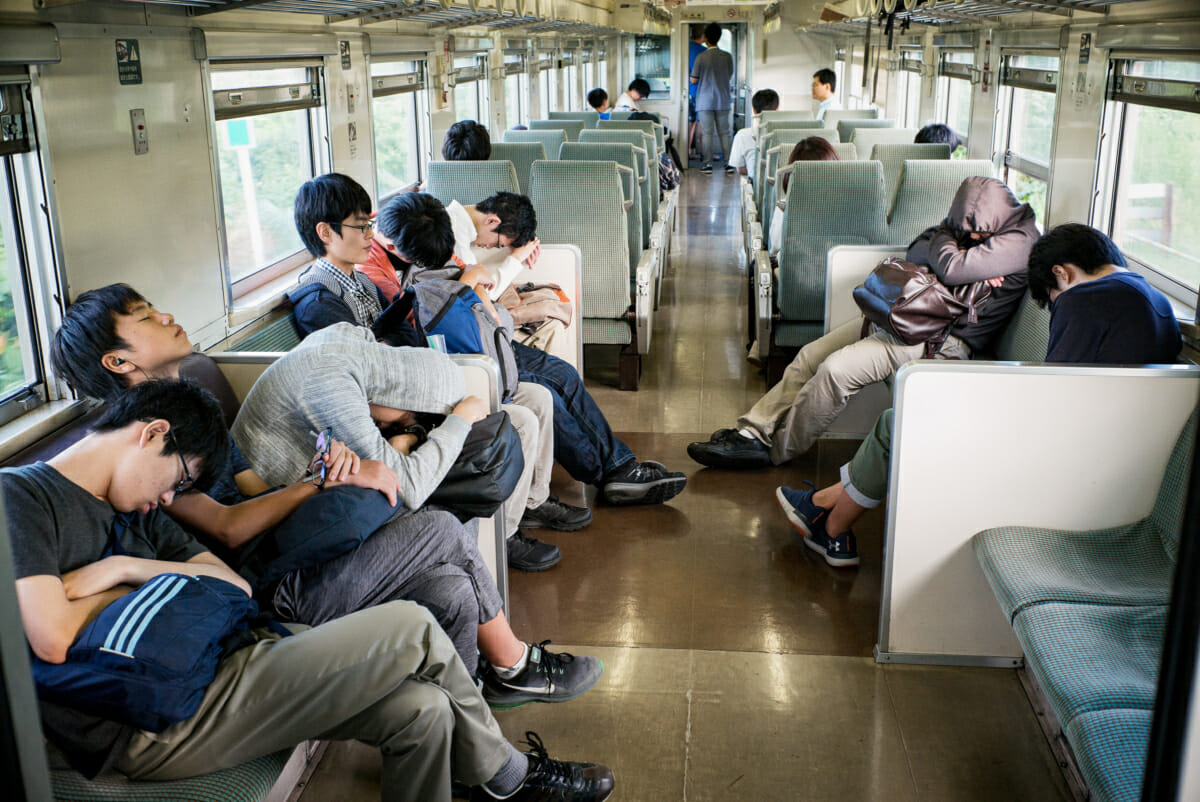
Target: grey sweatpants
{"x": 387, "y": 676}
{"x": 427, "y": 557}
{"x": 817, "y": 384}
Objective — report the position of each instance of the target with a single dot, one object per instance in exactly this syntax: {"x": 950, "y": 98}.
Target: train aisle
{"x": 738, "y": 664}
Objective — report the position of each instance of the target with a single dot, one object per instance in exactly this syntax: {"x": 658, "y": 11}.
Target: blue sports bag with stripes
{"x": 148, "y": 658}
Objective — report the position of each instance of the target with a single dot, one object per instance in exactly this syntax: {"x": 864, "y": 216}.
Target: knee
{"x": 427, "y": 713}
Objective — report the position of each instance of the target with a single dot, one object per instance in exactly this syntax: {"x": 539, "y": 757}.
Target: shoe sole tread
{"x": 629, "y": 493}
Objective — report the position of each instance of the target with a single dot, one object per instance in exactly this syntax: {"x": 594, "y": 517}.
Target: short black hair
{"x": 329, "y": 198}
{"x": 937, "y": 134}
{"x": 826, "y": 76}
{"x": 87, "y": 333}
{"x": 712, "y": 32}
{"x": 764, "y": 100}
{"x": 697, "y": 31}
{"x": 198, "y": 428}
{"x": 641, "y": 86}
{"x": 596, "y": 98}
{"x": 1074, "y": 243}
{"x": 467, "y": 141}
{"x": 518, "y": 221}
{"x": 420, "y": 227}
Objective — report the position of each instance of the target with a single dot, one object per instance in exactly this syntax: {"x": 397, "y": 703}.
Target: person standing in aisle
{"x": 711, "y": 73}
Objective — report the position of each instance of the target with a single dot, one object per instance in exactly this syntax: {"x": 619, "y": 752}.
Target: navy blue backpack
{"x": 148, "y": 658}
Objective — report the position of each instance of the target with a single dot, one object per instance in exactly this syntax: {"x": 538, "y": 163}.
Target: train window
{"x": 470, "y": 88}
{"x": 547, "y": 82}
{"x": 954, "y": 90}
{"x": 571, "y": 77}
{"x": 397, "y": 115}
{"x": 839, "y": 69}
{"x": 652, "y": 61}
{"x": 270, "y": 127}
{"x": 21, "y": 385}
{"x": 516, "y": 89}
{"x": 908, "y": 77}
{"x": 1030, "y": 83}
{"x": 856, "y": 91}
{"x": 1150, "y": 184}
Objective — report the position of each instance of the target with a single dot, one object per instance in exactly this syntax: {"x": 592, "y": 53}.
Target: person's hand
{"x": 472, "y": 409}
{"x": 94, "y": 578}
{"x": 477, "y": 275}
{"x": 373, "y": 475}
{"x": 341, "y": 462}
{"x": 529, "y": 253}
{"x": 995, "y": 282}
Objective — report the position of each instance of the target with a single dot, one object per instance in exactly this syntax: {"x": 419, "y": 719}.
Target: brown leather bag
{"x": 907, "y": 301}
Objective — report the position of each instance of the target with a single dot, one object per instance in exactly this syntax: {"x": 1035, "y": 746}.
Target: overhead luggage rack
{"x": 972, "y": 11}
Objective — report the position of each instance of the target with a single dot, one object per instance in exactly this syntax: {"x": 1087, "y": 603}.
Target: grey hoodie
{"x": 328, "y": 380}
{"x": 981, "y": 205}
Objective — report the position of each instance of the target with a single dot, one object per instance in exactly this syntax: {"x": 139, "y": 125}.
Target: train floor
{"x": 738, "y": 664}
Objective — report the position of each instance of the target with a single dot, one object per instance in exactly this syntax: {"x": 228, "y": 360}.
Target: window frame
{"x": 954, "y": 71}
{"x": 412, "y": 83}
{"x": 1107, "y": 185}
{"x": 1011, "y": 79}
{"x": 264, "y": 101}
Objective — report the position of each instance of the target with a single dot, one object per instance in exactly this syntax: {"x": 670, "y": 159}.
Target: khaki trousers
{"x": 387, "y": 676}
{"x": 817, "y": 384}
{"x": 532, "y": 415}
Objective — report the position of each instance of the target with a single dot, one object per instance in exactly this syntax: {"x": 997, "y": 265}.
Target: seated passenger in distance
{"x": 112, "y": 339}
{"x": 598, "y": 100}
{"x": 639, "y": 89}
{"x": 1100, "y": 314}
{"x": 824, "y": 82}
{"x": 339, "y": 246}
{"x": 937, "y": 133}
{"x": 467, "y": 141}
{"x": 387, "y": 676}
{"x": 986, "y": 237}
{"x": 418, "y": 228}
{"x": 743, "y": 154}
{"x": 809, "y": 149}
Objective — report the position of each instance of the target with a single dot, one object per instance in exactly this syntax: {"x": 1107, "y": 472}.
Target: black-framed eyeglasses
{"x": 184, "y": 484}
{"x": 368, "y": 228}
{"x": 319, "y": 468}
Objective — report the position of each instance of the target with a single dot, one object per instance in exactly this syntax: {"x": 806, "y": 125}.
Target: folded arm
{"x": 1000, "y": 255}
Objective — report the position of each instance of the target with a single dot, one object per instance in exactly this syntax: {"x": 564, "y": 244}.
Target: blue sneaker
{"x": 840, "y": 551}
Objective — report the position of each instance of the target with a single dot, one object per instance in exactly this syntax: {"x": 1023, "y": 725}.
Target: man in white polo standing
{"x": 711, "y": 73}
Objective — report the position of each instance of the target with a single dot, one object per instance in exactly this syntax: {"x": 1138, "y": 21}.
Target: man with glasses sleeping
{"x": 112, "y": 338}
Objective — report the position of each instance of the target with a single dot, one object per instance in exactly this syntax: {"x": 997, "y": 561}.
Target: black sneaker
{"x": 553, "y": 514}
{"x": 556, "y": 780}
{"x": 706, "y": 169}
{"x": 730, "y": 169}
{"x": 529, "y": 554}
{"x": 548, "y": 677}
{"x": 728, "y": 449}
{"x": 642, "y": 483}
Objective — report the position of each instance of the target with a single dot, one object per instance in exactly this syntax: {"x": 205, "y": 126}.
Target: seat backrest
{"x": 204, "y": 371}
{"x": 832, "y": 117}
{"x": 470, "y": 182}
{"x": 648, "y": 126}
{"x": 589, "y": 118}
{"x": 846, "y": 127}
{"x": 924, "y": 192}
{"x": 643, "y": 147}
{"x": 892, "y": 157}
{"x": 787, "y": 139}
{"x": 867, "y": 138}
{"x": 619, "y": 115}
{"x": 569, "y": 127}
{"x": 828, "y": 203}
{"x": 776, "y": 125}
{"x": 551, "y": 140}
{"x": 522, "y": 155}
{"x": 793, "y": 114}
{"x": 847, "y": 151}
{"x": 1172, "y": 493}
{"x": 622, "y": 154}
{"x": 580, "y": 203}
{"x": 1026, "y": 338}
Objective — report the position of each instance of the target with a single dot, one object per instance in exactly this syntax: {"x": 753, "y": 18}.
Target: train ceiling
{"x": 851, "y": 16}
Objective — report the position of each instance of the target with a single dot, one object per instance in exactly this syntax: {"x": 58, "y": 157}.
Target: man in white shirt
{"x": 639, "y": 89}
{"x": 505, "y": 222}
{"x": 744, "y": 154}
{"x": 824, "y": 82}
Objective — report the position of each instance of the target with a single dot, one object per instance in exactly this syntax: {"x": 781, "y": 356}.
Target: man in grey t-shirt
{"x": 711, "y": 73}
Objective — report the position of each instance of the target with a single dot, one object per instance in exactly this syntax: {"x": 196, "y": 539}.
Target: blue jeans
{"x": 583, "y": 442}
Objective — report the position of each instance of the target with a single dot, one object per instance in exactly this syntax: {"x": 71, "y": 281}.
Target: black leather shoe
{"x": 728, "y": 449}
{"x": 529, "y": 554}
